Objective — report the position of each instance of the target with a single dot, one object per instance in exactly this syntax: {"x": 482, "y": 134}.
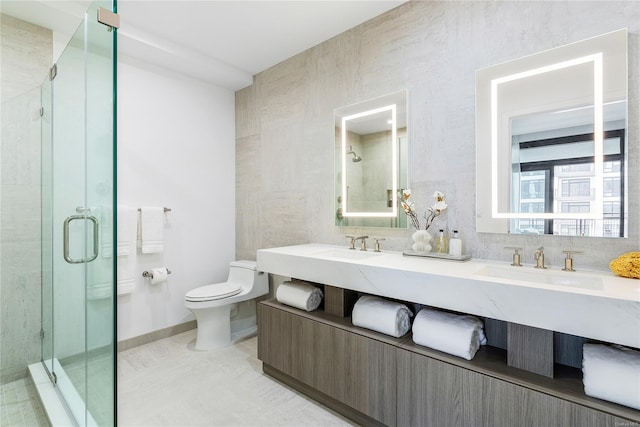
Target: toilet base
{"x": 214, "y": 327}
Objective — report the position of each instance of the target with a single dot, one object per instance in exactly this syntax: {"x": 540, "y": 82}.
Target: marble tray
{"x": 462, "y": 257}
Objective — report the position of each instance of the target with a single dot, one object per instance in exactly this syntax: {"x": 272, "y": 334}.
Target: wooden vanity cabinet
{"x": 436, "y": 393}
{"x": 352, "y": 369}
{"x": 375, "y": 379}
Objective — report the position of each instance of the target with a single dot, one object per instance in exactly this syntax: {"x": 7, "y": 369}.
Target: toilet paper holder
{"x": 149, "y": 274}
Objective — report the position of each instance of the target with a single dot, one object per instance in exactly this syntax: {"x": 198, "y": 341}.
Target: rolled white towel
{"x": 612, "y": 373}
{"x": 299, "y": 294}
{"x": 460, "y": 335}
{"x": 387, "y": 317}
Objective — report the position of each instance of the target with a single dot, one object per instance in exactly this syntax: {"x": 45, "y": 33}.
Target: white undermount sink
{"x": 348, "y": 254}
{"x": 545, "y": 277}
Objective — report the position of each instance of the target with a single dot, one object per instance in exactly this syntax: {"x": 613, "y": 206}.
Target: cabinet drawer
{"x": 435, "y": 393}
{"x": 355, "y": 370}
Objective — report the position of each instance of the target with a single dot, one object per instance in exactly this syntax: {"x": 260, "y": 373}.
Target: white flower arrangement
{"x": 430, "y": 213}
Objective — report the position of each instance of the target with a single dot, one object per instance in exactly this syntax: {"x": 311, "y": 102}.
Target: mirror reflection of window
{"x": 532, "y": 187}
{"x": 558, "y": 175}
{"x": 532, "y": 115}
{"x": 612, "y": 187}
{"x": 576, "y": 187}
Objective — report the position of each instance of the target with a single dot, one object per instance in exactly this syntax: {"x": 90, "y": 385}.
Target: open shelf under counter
{"x": 601, "y": 305}
{"x": 490, "y": 362}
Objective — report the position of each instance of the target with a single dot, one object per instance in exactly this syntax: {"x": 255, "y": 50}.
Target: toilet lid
{"x": 213, "y": 292}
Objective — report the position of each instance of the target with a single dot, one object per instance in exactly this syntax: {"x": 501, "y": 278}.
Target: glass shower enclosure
{"x": 78, "y": 222}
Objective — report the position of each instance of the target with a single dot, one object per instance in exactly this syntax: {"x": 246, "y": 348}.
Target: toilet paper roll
{"x": 159, "y": 275}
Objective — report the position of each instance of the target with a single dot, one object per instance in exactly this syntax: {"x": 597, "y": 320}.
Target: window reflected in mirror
{"x": 557, "y": 175}
{"x": 550, "y": 137}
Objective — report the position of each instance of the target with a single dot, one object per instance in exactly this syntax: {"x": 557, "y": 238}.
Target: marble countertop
{"x": 591, "y": 304}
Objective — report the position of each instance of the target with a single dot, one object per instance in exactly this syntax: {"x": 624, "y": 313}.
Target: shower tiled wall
{"x": 285, "y": 133}
{"x": 24, "y": 63}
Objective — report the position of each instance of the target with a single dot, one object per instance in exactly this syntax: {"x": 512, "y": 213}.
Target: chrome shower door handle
{"x": 93, "y": 256}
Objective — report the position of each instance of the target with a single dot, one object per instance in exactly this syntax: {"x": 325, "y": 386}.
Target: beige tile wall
{"x": 25, "y": 61}
{"x": 284, "y": 121}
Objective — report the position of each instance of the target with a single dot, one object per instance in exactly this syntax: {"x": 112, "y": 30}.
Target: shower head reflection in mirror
{"x": 356, "y": 158}
{"x": 362, "y": 117}
{"x": 371, "y": 150}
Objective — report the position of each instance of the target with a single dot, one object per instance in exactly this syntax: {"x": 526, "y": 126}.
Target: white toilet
{"x": 211, "y": 304}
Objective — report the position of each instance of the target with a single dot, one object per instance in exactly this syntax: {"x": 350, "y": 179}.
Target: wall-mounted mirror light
{"x": 371, "y": 161}
{"x": 550, "y": 139}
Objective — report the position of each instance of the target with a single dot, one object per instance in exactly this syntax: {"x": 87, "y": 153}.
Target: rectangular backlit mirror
{"x": 371, "y": 161}
{"x": 550, "y": 141}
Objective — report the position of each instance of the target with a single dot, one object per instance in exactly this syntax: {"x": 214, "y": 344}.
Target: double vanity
{"x": 373, "y": 378}
{"x": 551, "y": 159}
{"x": 590, "y": 304}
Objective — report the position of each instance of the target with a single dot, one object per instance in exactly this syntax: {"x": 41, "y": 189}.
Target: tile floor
{"x": 20, "y": 406}
{"x": 169, "y": 383}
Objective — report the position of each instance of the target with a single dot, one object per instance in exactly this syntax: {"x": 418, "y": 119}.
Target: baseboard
{"x": 156, "y": 335}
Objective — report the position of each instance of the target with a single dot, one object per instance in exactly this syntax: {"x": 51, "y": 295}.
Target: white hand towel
{"x": 152, "y": 230}
{"x": 127, "y": 217}
{"x": 460, "y": 335}
{"x": 105, "y": 215}
{"x": 126, "y": 282}
{"x": 387, "y": 317}
{"x": 126, "y": 249}
{"x": 612, "y": 373}
{"x": 125, "y": 286}
{"x": 299, "y": 294}
{"x": 101, "y": 270}
{"x": 100, "y": 284}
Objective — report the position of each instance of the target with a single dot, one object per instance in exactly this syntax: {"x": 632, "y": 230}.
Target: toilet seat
{"x": 213, "y": 292}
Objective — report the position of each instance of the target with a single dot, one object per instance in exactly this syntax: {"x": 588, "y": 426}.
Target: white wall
{"x": 176, "y": 148}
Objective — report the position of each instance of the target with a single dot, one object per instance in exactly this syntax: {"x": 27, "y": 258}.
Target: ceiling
{"x": 220, "y": 42}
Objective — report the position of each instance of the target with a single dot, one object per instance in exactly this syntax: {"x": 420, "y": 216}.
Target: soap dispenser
{"x": 455, "y": 245}
{"x": 441, "y": 243}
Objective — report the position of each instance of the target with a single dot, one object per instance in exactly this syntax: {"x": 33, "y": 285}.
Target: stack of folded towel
{"x": 460, "y": 335}
{"x": 299, "y": 294}
{"x": 612, "y": 373}
{"x": 387, "y": 317}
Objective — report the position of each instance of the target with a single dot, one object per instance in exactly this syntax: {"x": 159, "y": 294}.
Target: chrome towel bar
{"x": 165, "y": 209}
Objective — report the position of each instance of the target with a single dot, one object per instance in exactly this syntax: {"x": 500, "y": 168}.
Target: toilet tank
{"x": 246, "y": 274}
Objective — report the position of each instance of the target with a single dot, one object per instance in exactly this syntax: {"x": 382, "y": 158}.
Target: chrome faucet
{"x": 539, "y": 256}
{"x": 363, "y": 244}
{"x": 352, "y": 242}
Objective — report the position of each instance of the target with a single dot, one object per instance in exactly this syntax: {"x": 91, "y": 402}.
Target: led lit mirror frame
{"x": 375, "y": 164}
{"x": 383, "y": 112}
{"x": 599, "y": 65}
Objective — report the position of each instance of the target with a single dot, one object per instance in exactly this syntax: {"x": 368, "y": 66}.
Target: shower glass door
{"x": 78, "y": 347}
